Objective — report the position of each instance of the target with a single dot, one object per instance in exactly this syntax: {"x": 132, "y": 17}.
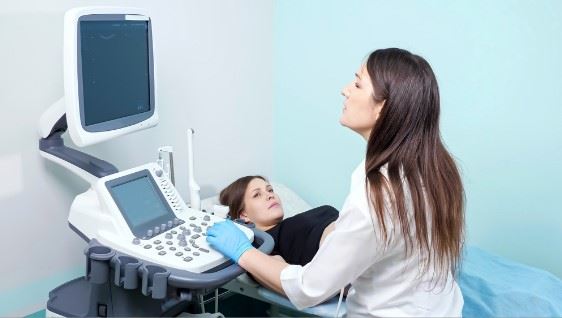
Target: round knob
{"x": 159, "y": 173}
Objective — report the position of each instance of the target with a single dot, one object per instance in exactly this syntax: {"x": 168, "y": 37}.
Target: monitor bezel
{"x": 126, "y": 121}
{"x": 140, "y": 231}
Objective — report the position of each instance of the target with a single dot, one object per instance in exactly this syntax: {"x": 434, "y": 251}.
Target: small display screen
{"x": 115, "y": 69}
{"x": 140, "y": 202}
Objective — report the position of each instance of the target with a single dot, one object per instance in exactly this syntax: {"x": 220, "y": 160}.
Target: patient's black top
{"x": 297, "y": 238}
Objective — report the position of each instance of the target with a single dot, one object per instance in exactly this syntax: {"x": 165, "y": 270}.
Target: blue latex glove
{"x": 228, "y": 239}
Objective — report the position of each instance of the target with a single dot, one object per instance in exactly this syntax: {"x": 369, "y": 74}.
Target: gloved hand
{"x": 228, "y": 239}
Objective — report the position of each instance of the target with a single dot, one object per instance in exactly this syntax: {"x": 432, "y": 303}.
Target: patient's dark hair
{"x": 233, "y": 195}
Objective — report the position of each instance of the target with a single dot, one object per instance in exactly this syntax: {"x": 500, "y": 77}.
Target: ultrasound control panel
{"x": 144, "y": 216}
{"x": 185, "y": 242}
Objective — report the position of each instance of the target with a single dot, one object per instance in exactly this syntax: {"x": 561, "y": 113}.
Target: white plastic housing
{"x": 194, "y": 188}
{"x": 79, "y": 135}
{"x": 96, "y": 215}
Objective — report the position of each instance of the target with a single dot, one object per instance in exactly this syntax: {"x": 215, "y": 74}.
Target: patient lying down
{"x": 297, "y": 238}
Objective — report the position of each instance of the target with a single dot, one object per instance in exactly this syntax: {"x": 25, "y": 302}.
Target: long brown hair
{"x": 406, "y": 138}
{"x": 233, "y": 195}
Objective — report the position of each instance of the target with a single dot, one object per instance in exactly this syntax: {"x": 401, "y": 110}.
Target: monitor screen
{"x": 140, "y": 201}
{"x": 115, "y": 69}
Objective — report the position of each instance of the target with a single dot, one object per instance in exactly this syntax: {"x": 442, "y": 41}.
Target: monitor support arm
{"x": 51, "y": 145}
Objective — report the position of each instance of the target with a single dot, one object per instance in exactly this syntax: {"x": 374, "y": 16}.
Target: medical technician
{"x": 399, "y": 235}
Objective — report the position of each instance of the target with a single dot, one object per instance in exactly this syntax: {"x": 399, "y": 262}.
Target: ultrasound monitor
{"x": 140, "y": 201}
{"x": 109, "y": 75}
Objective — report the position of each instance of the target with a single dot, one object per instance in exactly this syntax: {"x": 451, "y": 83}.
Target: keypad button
{"x": 191, "y": 241}
{"x": 197, "y": 230}
{"x": 187, "y": 249}
{"x": 204, "y": 250}
{"x": 159, "y": 247}
{"x": 169, "y": 242}
{"x": 172, "y": 248}
{"x": 179, "y": 254}
{"x": 149, "y": 233}
{"x": 136, "y": 241}
{"x": 196, "y": 253}
{"x": 168, "y": 236}
{"x": 162, "y": 253}
{"x": 207, "y": 218}
{"x": 158, "y": 172}
{"x": 157, "y": 242}
{"x": 156, "y": 230}
{"x": 186, "y": 232}
{"x": 192, "y": 225}
{"x": 192, "y": 218}
{"x": 174, "y": 232}
{"x": 147, "y": 246}
{"x": 182, "y": 243}
{"x": 170, "y": 224}
{"x": 204, "y": 223}
{"x": 195, "y": 236}
{"x": 195, "y": 245}
{"x": 188, "y": 258}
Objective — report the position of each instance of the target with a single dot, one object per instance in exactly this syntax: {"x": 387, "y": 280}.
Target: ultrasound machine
{"x": 147, "y": 253}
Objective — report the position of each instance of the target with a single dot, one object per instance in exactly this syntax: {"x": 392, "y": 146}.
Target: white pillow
{"x": 292, "y": 203}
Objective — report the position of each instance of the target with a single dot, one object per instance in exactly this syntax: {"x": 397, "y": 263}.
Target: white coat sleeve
{"x": 344, "y": 255}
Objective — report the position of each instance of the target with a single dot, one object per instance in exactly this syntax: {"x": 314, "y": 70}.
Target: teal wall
{"x": 27, "y": 298}
{"x": 498, "y": 64}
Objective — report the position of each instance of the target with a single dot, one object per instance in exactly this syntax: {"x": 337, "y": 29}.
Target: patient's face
{"x": 261, "y": 205}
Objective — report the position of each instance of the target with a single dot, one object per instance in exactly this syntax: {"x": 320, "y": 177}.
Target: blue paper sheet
{"x": 493, "y": 286}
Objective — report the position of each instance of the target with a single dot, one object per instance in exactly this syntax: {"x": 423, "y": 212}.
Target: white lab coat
{"x": 384, "y": 281}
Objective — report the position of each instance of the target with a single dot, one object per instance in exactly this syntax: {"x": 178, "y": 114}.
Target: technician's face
{"x": 360, "y": 111}
{"x": 261, "y": 205}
